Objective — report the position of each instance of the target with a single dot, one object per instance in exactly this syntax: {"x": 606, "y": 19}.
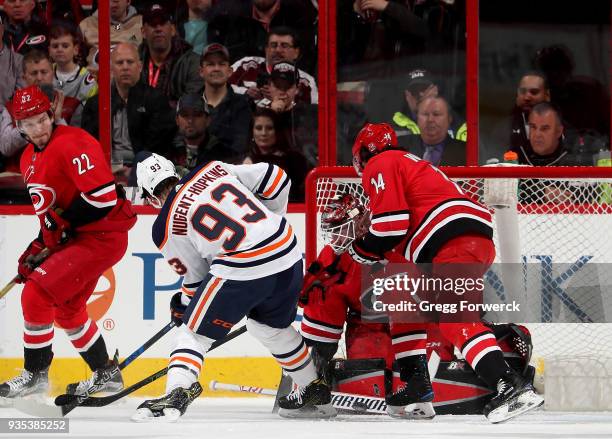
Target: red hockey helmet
{"x": 30, "y": 101}
{"x": 373, "y": 138}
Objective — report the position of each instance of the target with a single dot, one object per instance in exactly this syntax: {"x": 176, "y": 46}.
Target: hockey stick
{"x": 9, "y": 286}
{"x": 93, "y": 401}
{"x": 359, "y": 404}
{"x": 66, "y": 403}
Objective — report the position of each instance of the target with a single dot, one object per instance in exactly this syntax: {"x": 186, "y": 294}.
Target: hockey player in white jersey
{"x": 222, "y": 228}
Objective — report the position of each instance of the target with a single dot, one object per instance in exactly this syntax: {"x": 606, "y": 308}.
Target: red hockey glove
{"x": 29, "y": 260}
{"x": 55, "y": 230}
{"x": 318, "y": 279}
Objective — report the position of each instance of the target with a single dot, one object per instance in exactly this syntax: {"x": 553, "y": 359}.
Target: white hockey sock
{"x": 186, "y": 358}
{"x": 288, "y": 348}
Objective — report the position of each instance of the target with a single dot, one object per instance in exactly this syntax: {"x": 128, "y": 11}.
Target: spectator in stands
{"x": 230, "y": 113}
{"x": 194, "y": 144}
{"x": 169, "y": 63}
{"x": 532, "y": 90}
{"x": 11, "y": 70}
{"x": 434, "y": 143}
{"x": 244, "y": 25}
{"x": 546, "y": 138}
{"x": 69, "y": 77}
{"x": 66, "y": 10}
{"x": 547, "y": 143}
{"x": 378, "y": 38}
{"x": 269, "y": 144}
{"x": 141, "y": 120}
{"x": 38, "y": 70}
{"x": 297, "y": 120}
{"x": 24, "y": 30}
{"x": 251, "y": 73}
{"x": 421, "y": 85}
{"x": 192, "y": 23}
{"x": 584, "y": 101}
{"x": 125, "y": 26}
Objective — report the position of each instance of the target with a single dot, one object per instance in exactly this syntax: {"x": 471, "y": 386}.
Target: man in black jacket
{"x": 170, "y": 65}
{"x": 141, "y": 119}
{"x": 230, "y": 113}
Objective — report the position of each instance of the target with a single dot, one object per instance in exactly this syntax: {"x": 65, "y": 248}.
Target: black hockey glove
{"x": 177, "y": 309}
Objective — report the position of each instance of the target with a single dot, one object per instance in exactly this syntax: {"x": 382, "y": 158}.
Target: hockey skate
{"x": 515, "y": 395}
{"x": 413, "y": 400}
{"x": 311, "y": 401}
{"x": 169, "y": 407}
{"x": 105, "y": 379}
{"x": 28, "y": 383}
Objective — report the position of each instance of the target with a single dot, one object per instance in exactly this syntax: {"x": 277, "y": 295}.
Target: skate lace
{"x": 296, "y": 394}
{"x": 20, "y": 380}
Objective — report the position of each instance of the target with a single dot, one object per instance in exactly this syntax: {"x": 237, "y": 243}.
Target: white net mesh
{"x": 557, "y": 231}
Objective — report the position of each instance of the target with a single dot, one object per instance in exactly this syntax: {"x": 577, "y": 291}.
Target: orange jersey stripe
{"x": 176, "y": 198}
{"x": 266, "y": 249}
{"x": 186, "y": 360}
{"x": 189, "y": 293}
{"x": 203, "y": 303}
{"x": 297, "y": 360}
{"x": 278, "y": 178}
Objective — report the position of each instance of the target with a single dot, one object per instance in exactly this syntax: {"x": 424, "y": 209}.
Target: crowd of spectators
{"x": 201, "y": 80}
{"x": 188, "y": 76}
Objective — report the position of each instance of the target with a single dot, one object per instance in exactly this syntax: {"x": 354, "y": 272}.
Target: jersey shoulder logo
{"x": 43, "y": 197}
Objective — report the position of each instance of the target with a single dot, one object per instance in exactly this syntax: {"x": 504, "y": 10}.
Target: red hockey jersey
{"x": 413, "y": 200}
{"x": 73, "y": 165}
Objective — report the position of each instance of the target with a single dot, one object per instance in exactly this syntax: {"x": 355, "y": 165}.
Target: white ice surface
{"x": 239, "y": 418}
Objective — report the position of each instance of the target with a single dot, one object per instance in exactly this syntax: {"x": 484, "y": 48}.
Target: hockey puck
{"x": 360, "y": 406}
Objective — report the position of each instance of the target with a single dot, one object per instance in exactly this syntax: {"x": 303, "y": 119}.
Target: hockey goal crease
{"x": 552, "y": 237}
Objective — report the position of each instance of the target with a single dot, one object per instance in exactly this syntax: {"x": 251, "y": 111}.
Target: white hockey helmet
{"x": 152, "y": 171}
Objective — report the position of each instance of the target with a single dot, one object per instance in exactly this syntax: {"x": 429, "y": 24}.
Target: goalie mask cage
{"x": 558, "y": 220}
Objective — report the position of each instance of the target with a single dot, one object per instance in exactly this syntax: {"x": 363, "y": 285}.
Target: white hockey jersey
{"x": 229, "y": 219}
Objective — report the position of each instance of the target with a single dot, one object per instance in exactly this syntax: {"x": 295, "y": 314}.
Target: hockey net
{"x": 552, "y": 237}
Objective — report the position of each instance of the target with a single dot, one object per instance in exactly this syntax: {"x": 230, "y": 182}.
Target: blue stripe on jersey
{"x": 265, "y": 242}
{"x": 264, "y": 182}
{"x": 259, "y": 261}
{"x": 280, "y": 189}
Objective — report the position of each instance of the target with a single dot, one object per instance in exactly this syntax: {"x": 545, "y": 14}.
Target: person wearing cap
{"x": 297, "y": 119}
{"x": 23, "y": 29}
{"x": 125, "y": 26}
{"x": 421, "y": 85}
{"x": 250, "y": 74}
{"x": 194, "y": 144}
{"x": 230, "y": 112}
{"x": 169, "y": 63}
{"x": 10, "y": 69}
{"x": 140, "y": 115}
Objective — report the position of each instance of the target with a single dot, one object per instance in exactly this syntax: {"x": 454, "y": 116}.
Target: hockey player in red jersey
{"x": 84, "y": 225}
{"x": 424, "y": 216}
{"x": 332, "y": 296}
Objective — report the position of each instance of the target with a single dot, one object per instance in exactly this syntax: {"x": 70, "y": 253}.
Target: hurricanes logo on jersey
{"x": 42, "y": 197}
